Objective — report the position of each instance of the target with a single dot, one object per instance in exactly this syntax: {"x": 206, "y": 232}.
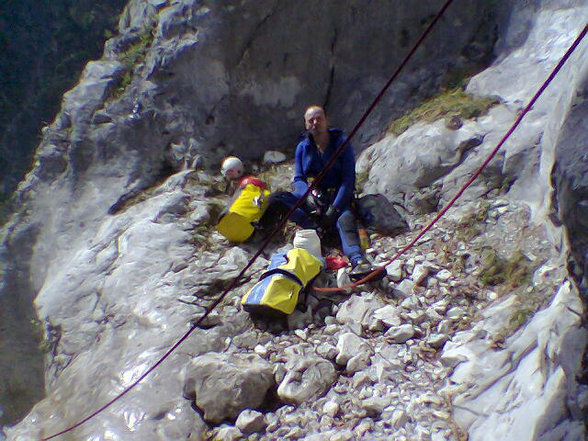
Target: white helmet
{"x": 232, "y": 167}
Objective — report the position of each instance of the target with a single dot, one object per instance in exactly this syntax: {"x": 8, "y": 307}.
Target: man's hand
{"x": 312, "y": 205}
{"x": 331, "y": 216}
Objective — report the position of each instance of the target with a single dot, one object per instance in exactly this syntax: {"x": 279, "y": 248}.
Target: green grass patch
{"x": 512, "y": 276}
{"x": 131, "y": 57}
{"x": 509, "y": 273}
{"x": 453, "y": 102}
{"x": 138, "y": 50}
{"x": 473, "y": 224}
{"x": 361, "y": 179}
{"x": 44, "y": 345}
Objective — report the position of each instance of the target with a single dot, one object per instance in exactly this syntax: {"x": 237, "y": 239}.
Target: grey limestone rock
{"x": 400, "y": 334}
{"x": 226, "y": 385}
{"x": 386, "y": 317}
{"x": 359, "y": 310}
{"x": 399, "y": 418}
{"x": 307, "y": 377}
{"x": 228, "y": 433}
{"x": 394, "y": 271}
{"x": 350, "y": 345}
{"x": 437, "y": 340}
{"x": 250, "y": 421}
{"x": 114, "y": 241}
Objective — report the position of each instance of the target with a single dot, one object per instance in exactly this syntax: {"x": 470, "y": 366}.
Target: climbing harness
{"x": 311, "y": 187}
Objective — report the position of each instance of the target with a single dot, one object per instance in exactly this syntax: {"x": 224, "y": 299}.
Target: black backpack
{"x": 378, "y": 215}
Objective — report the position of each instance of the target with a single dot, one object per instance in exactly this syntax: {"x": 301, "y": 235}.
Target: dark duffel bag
{"x": 379, "y": 215}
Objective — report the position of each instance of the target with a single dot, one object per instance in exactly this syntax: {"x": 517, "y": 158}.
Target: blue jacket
{"x": 309, "y": 161}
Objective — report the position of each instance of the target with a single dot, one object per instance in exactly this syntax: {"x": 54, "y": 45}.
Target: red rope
{"x": 476, "y": 173}
{"x": 265, "y": 243}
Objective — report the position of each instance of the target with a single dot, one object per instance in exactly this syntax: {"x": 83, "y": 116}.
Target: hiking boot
{"x": 362, "y": 268}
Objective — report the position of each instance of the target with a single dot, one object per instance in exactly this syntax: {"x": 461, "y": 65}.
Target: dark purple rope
{"x": 268, "y": 239}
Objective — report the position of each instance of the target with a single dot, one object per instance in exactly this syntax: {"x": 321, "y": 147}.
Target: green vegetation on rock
{"x": 509, "y": 273}
{"x": 134, "y": 54}
{"x": 512, "y": 275}
{"x": 449, "y": 103}
{"x": 473, "y": 224}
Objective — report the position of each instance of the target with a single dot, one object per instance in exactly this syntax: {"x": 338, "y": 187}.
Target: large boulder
{"x": 524, "y": 391}
{"x": 307, "y": 376}
{"x": 224, "y": 385}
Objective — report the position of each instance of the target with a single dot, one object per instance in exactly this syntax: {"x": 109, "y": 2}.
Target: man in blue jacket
{"x": 330, "y": 204}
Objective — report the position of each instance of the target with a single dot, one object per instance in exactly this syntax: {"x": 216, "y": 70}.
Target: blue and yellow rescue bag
{"x": 247, "y": 207}
{"x": 276, "y": 294}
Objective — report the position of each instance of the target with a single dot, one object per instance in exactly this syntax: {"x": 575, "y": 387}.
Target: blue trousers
{"x": 346, "y": 226}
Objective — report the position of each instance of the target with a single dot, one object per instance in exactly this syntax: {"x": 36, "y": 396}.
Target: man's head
{"x": 315, "y": 120}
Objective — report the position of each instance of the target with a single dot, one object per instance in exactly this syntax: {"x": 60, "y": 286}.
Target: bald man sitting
{"x": 329, "y": 206}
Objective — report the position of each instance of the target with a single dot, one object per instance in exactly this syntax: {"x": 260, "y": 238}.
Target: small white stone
{"x": 228, "y": 433}
{"x": 362, "y": 428}
{"x": 437, "y": 340}
{"x": 331, "y": 408}
{"x": 327, "y": 351}
{"x": 394, "y": 271}
{"x": 443, "y": 275}
{"x": 279, "y": 372}
{"x": 361, "y": 379}
{"x": 301, "y": 334}
{"x": 346, "y": 435}
{"x": 433, "y": 315}
{"x": 326, "y": 421}
{"x": 420, "y": 273}
{"x": 449, "y": 359}
{"x": 343, "y": 278}
{"x": 417, "y": 316}
{"x": 295, "y": 433}
{"x": 330, "y": 320}
{"x": 374, "y": 406}
{"x": 273, "y": 157}
{"x": 399, "y": 418}
{"x": 410, "y": 303}
{"x": 410, "y": 264}
{"x": 331, "y": 329}
{"x": 404, "y": 288}
{"x": 455, "y": 313}
{"x": 348, "y": 346}
{"x": 250, "y": 421}
{"x": 400, "y": 334}
{"x": 357, "y": 363}
{"x": 261, "y": 350}
{"x": 388, "y": 316}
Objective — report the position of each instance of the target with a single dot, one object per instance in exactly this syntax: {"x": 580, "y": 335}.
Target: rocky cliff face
{"x": 44, "y": 48}
{"x": 117, "y": 272}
